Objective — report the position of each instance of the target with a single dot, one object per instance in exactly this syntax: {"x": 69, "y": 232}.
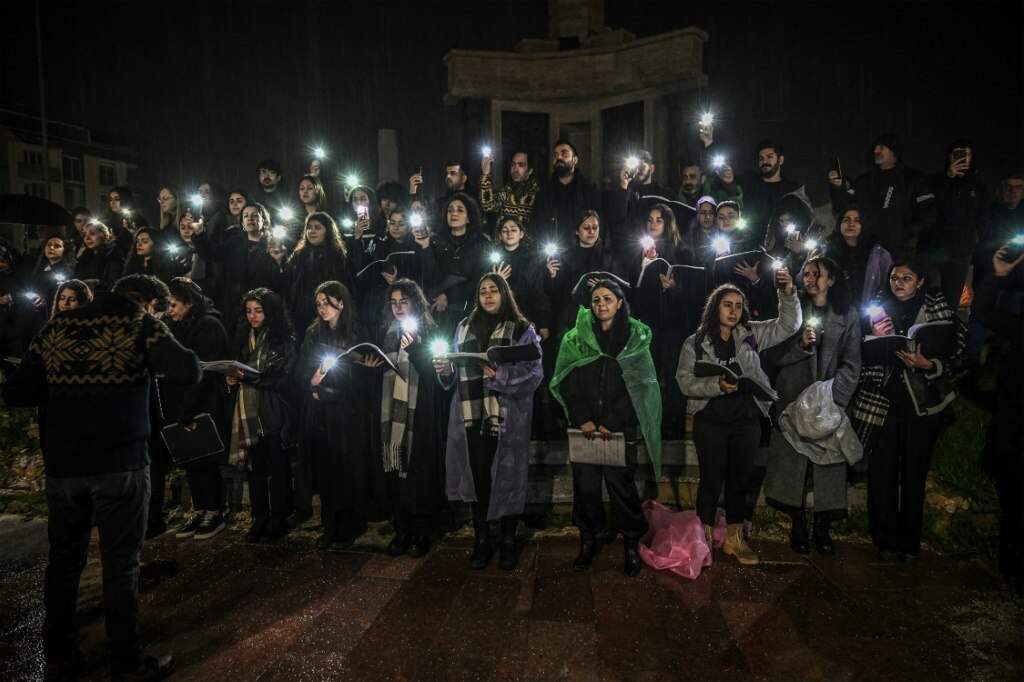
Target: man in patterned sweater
{"x": 513, "y": 199}
{"x": 97, "y": 470}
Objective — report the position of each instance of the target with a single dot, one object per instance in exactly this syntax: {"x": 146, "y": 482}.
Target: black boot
{"x": 507, "y": 558}
{"x": 481, "y": 545}
{"x": 821, "y": 536}
{"x": 588, "y": 550}
{"x": 633, "y": 562}
{"x": 399, "y": 544}
{"x": 798, "y": 541}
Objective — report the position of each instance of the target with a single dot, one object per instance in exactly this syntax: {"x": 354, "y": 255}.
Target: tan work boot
{"x": 737, "y": 546}
{"x": 709, "y": 536}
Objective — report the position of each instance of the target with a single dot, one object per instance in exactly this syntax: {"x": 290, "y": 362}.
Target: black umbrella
{"x": 25, "y": 209}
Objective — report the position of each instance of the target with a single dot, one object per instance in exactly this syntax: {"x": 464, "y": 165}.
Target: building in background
{"x": 84, "y": 163}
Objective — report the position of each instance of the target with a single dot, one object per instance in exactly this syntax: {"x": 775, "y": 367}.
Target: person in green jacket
{"x": 605, "y": 380}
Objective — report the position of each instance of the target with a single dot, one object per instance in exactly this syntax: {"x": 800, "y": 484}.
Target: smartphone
{"x": 959, "y": 155}
{"x": 911, "y": 345}
{"x": 362, "y": 212}
{"x": 836, "y": 166}
{"x": 1013, "y": 250}
{"x": 418, "y": 170}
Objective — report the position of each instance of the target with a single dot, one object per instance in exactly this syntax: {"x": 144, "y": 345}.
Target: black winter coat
{"x": 559, "y": 207}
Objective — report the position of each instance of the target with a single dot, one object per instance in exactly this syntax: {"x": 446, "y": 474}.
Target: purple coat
{"x": 515, "y": 384}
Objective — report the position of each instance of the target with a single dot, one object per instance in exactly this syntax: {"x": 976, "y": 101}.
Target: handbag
{"x": 188, "y": 447}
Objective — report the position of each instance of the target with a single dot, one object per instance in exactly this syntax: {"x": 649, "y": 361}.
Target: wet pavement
{"x": 232, "y": 611}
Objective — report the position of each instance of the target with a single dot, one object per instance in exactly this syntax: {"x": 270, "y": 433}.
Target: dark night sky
{"x": 214, "y": 87}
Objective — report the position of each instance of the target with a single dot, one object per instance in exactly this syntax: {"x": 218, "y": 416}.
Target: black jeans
{"x": 118, "y": 502}
{"x": 897, "y": 473}
{"x": 725, "y": 455}
{"x": 206, "y": 487}
{"x": 588, "y": 507}
{"x": 270, "y": 480}
{"x": 481, "y": 462}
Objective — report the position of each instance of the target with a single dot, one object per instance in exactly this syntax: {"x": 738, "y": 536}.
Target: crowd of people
{"x": 396, "y": 350}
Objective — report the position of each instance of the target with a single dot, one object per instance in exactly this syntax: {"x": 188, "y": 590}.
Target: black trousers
{"x": 205, "y": 484}
{"x": 481, "y": 461}
{"x": 159, "y": 466}
{"x": 896, "y": 475}
{"x": 270, "y": 480}
{"x": 588, "y": 507}
{"x": 725, "y": 456}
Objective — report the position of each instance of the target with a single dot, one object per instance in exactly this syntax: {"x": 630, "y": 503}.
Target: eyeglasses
{"x": 163, "y": 199}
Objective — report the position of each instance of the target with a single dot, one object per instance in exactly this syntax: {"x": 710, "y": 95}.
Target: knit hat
{"x": 892, "y": 141}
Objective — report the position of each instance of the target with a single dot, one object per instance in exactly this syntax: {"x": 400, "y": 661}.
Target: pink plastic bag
{"x": 675, "y": 540}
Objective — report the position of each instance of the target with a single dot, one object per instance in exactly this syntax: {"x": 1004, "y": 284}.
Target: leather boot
{"x": 632, "y": 562}
{"x": 798, "y": 540}
{"x": 821, "y": 536}
{"x": 507, "y": 557}
{"x": 588, "y": 550}
{"x": 709, "y": 536}
{"x": 481, "y": 555}
{"x": 737, "y": 546}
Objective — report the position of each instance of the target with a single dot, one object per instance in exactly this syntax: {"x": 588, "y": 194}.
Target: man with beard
{"x": 516, "y": 197}
{"x": 762, "y": 191}
{"x": 455, "y": 181}
{"x": 896, "y": 201}
{"x": 693, "y": 179}
{"x": 567, "y": 195}
{"x": 625, "y": 215}
{"x": 273, "y": 192}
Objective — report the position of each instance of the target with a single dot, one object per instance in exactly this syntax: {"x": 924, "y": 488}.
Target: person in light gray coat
{"x": 827, "y": 347}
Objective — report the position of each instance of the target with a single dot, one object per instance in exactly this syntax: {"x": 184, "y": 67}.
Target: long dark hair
{"x": 68, "y": 259}
{"x": 621, "y": 319}
{"x": 839, "y": 297}
{"x": 136, "y": 264}
{"x": 411, "y": 291}
{"x": 81, "y": 290}
{"x": 709, "y": 322}
{"x": 332, "y": 240}
{"x": 671, "y": 227}
{"x": 276, "y": 322}
{"x": 189, "y": 293}
{"x": 482, "y": 323}
{"x": 318, "y": 188}
{"x": 347, "y": 319}
{"x": 474, "y": 222}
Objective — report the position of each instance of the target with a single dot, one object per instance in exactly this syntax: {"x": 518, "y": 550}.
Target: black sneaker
{"x": 189, "y": 528}
{"x": 211, "y": 525}
{"x": 151, "y": 669}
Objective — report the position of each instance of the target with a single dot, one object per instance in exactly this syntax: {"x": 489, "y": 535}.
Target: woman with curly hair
{"x": 320, "y": 256}
{"x": 260, "y": 425}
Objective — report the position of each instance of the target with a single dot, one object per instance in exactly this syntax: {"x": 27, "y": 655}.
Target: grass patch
{"x": 956, "y": 462}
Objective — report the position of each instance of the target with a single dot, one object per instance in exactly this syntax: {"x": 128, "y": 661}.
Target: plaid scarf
{"x": 245, "y": 423}
{"x": 479, "y": 403}
{"x": 870, "y": 404}
{"x": 398, "y": 404}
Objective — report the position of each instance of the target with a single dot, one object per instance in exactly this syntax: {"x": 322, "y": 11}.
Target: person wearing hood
{"x": 898, "y": 201}
{"x": 516, "y": 198}
{"x": 701, "y": 230}
{"x": 826, "y": 348}
{"x": 606, "y": 383}
{"x": 565, "y": 196}
{"x": 197, "y": 326}
{"x": 962, "y": 204}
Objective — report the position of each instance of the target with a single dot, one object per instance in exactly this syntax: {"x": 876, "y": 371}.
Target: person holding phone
{"x": 726, "y": 417}
{"x": 899, "y": 431}
{"x": 606, "y": 383}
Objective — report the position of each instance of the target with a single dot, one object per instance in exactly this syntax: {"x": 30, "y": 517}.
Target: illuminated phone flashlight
{"x": 813, "y": 322}
{"x": 551, "y": 249}
{"x": 720, "y": 245}
{"x": 286, "y": 213}
{"x": 328, "y": 363}
{"x": 632, "y": 163}
{"x": 1018, "y": 240}
{"x": 485, "y": 151}
{"x": 197, "y": 200}
{"x": 60, "y": 277}
{"x": 348, "y": 223}
{"x": 790, "y": 228}
{"x": 31, "y": 295}
{"x": 647, "y": 242}
{"x": 410, "y": 325}
{"x": 352, "y": 180}
{"x": 495, "y": 257}
{"x": 319, "y": 153}
{"x": 127, "y": 213}
{"x": 741, "y": 223}
{"x": 416, "y": 220}
{"x": 279, "y": 232}
{"x": 707, "y": 119}
{"x": 718, "y": 161}
{"x": 875, "y": 312}
{"x": 439, "y": 349}
{"x": 776, "y": 264}
{"x": 811, "y": 244}
{"x": 173, "y": 248}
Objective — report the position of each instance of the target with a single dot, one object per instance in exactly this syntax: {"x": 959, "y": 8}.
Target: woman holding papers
{"x": 334, "y": 441}
{"x": 412, "y": 412}
{"x": 826, "y": 348}
{"x": 720, "y": 373}
{"x": 260, "y": 428}
{"x": 605, "y": 381}
{"x": 489, "y": 425}
{"x": 902, "y": 405}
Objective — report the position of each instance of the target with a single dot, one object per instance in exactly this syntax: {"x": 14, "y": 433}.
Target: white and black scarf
{"x": 398, "y": 404}
{"x": 479, "y": 403}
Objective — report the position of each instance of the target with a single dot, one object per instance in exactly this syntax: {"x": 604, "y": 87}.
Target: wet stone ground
{"x": 232, "y": 611}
